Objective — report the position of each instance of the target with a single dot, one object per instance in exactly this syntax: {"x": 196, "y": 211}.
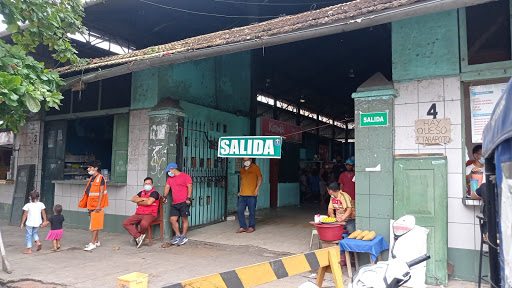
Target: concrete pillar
{"x": 373, "y": 147}
{"x": 164, "y": 147}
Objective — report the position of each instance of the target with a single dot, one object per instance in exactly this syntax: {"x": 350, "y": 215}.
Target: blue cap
{"x": 350, "y": 161}
{"x": 172, "y": 166}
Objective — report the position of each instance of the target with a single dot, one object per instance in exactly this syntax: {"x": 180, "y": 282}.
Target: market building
{"x": 407, "y": 75}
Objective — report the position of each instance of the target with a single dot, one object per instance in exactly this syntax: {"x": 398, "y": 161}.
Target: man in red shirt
{"x": 346, "y": 180}
{"x": 148, "y": 201}
{"x": 181, "y": 186}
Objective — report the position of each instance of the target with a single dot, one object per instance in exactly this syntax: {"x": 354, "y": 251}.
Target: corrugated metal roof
{"x": 288, "y": 24}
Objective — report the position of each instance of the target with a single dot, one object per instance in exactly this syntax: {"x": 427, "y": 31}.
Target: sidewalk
{"x": 73, "y": 267}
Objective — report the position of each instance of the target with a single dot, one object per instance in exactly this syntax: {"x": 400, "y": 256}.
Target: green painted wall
{"x": 5, "y": 211}
{"x": 144, "y": 89}
{"x": 465, "y": 263}
{"x": 236, "y": 125}
{"x": 374, "y": 146}
{"x": 426, "y": 46}
{"x": 264, "y": 194}
{"x": 222, "y": 83}
{"x": 288, "y": 194}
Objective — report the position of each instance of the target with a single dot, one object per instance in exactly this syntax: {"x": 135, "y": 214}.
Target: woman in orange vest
{"x": 95, "y": 198}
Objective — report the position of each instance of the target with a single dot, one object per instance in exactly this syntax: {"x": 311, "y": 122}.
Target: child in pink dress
{"x": 56, "y": 221}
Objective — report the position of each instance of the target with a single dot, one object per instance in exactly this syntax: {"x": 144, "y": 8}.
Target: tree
{"x": 25, "y": 84}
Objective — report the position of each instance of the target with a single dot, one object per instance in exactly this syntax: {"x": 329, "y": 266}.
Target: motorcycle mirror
{"x": 403, "y": 225}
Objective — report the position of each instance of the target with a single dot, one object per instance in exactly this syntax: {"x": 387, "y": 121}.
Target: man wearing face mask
{"x": 147, "y": 201}
{"x": 95, "y": 198}
{"x": 181, "y": 185}
{"x": 249, "y": 189}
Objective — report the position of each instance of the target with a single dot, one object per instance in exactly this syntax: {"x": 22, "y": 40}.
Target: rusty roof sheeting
{"x": 269, "y": 28}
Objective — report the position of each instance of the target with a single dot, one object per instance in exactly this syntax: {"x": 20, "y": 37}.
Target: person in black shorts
{"x": 181, "y": 186}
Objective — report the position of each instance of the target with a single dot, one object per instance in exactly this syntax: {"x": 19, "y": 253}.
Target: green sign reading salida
{"x": 374, "y": 119}
{"x": 250, "y": 146}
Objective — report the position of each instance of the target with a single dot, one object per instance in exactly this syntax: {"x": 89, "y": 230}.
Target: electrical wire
{"x": 277, "y": 4}
{"x": 210, "y": 14}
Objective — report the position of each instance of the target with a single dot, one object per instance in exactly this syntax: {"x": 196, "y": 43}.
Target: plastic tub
{"x": 330, "y": 232}
{"x": 133, "y": 280}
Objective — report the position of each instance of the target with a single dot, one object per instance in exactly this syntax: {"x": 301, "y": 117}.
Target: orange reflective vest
{"x": 91, "y": 202}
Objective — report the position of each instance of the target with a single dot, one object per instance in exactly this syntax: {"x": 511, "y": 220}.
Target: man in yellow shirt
{"x": 340, "y": 207}
{"x": 249, "y": 189}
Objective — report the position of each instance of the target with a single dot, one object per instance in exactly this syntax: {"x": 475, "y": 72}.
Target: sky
{"x": 94, "y": 40}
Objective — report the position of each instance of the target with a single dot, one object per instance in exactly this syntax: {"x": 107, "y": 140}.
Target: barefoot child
{"x": 33, "y": 211}
{"x": 56, "y": 221}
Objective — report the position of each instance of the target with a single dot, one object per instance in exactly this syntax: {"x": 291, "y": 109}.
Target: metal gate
{"x": 209, "y": 172}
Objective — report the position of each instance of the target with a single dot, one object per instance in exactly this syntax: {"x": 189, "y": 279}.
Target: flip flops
{"x": 39, "y": 247}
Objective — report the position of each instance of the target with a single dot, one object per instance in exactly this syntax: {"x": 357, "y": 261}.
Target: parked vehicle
{"x": 393, "y": 273}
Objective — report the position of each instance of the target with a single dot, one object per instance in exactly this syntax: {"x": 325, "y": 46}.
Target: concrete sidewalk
{"x": 73, "y": 267}
{"x": 212, "y": 249}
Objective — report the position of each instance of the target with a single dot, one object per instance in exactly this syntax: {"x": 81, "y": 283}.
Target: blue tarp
{"x": 374, "y": 247}
{"x": 497, "y": 139}
{"x": 499, "y": 127}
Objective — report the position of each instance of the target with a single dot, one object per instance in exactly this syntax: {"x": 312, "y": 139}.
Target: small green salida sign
{"x": 374, "y": 119}
{"x": 250, "y": 146}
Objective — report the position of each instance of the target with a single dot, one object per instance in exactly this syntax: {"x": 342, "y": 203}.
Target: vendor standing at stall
{"x": 341, "y": 207}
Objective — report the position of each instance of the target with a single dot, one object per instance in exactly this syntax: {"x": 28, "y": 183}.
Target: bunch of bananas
{"x": 328, "y": 219}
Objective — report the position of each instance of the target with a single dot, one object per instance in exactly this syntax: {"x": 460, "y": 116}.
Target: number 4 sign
{"x": 432, "y": 111}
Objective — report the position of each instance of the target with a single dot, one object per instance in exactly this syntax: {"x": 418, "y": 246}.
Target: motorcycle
{"x": 393, "y": 273}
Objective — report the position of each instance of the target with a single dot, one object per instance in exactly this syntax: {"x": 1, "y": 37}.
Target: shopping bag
{"x": 97, "y": 220}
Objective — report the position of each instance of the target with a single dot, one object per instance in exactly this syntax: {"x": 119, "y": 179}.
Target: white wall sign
{"x": 483, "y": 99}
{"x": 433, "y": 131}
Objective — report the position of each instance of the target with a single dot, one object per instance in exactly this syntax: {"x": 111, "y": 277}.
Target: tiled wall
{"x": 413, "y": 101}
{"x": 68, "y": 195}
{"x": 6, "y": 192}
{"x": 137, "y": 157}
{"x": 30, "y": 146}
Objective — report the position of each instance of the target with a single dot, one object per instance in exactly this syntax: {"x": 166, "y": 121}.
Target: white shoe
{"x": 90, "y": 247}
{"x": 140, "y": 240}
{"x": 97, "y": 244}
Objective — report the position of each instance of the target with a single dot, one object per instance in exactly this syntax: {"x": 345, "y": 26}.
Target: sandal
{"x": 39, "y": 247}
{"x": 166, "y": 245}
{"x": 27, "y": 252}
{"x": 54, "y": 249}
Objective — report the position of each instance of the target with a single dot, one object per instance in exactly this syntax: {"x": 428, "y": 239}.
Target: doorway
{"x": 421, "y": 187}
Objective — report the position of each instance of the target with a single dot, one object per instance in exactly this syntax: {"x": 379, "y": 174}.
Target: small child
{"x": 32, "y": 214}
{"x": 56, "y": 221}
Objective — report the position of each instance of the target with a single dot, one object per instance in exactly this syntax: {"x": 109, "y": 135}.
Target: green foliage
{"x": 24, "y": 82}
